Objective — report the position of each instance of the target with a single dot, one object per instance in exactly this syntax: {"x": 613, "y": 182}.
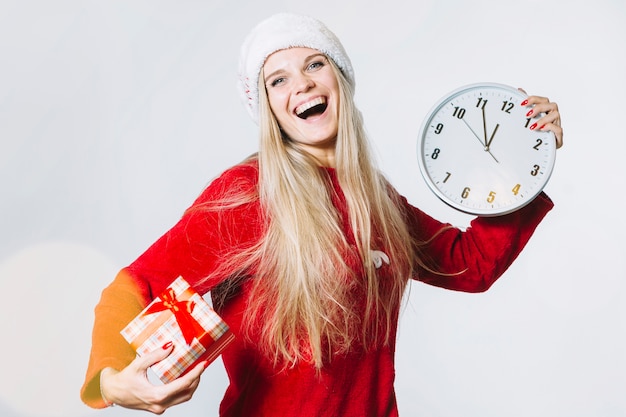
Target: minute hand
{"x": 485, "y": 127}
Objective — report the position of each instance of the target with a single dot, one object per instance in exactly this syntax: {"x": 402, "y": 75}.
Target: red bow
{"x": 189, "y": 326}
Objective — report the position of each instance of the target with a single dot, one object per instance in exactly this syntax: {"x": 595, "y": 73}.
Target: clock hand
{"x": 494, "y": 158}
{"x": 492, "y": 135}
{"x": 489, "y": 142}
{"x": 470, "y": 128}
{"x": 485, "y": 146}
{"x": 485, "y": 127}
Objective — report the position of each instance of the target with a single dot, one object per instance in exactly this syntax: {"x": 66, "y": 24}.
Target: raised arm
{"x": 473, "y": 259}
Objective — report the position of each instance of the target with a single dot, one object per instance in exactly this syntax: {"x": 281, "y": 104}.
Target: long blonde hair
{"x": 303, "y": 292}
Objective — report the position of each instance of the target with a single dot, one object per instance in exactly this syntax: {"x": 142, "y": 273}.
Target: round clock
{"x": 478, "y": 154}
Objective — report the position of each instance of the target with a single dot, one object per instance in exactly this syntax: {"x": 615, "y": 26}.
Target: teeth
{"x": 306, "y": 106}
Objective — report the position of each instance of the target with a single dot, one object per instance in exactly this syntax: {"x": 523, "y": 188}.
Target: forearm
{"x": 474, "y": 259}
{"x": 120, "y": 302}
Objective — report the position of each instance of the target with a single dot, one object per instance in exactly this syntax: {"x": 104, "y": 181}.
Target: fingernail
{"x": 167, "y": 345}
{"x": 530, "y": 113}
{"x": 541, "y": 128}
{"x": 525, "y": 102}
{"x": 206, "y": 364}
{"x": 533, "y": 127}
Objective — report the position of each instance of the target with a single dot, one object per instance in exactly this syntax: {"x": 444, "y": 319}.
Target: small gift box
{"x": 182, "y": 316}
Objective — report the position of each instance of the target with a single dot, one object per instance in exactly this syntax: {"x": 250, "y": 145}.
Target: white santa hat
{"x": 282, "y": 31}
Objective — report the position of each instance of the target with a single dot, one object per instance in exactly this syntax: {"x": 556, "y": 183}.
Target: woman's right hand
{"x": 130, "y": 387}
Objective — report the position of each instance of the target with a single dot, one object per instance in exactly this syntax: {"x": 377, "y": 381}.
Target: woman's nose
{"x": 304, "y": 83}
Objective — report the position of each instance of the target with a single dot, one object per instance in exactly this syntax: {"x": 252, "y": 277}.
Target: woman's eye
{"x": 277, "y": 81}
{"x": 315, "y": 65}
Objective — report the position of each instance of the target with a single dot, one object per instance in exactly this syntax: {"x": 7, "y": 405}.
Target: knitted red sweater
{"x": 359, "y": 383}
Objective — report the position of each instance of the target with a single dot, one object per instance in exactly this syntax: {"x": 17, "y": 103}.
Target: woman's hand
{"x": 550, "y": 121}
{"x": 130, "y": 387}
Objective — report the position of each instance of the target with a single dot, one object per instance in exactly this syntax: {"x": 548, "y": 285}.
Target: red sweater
{"x": 359, "y": 383}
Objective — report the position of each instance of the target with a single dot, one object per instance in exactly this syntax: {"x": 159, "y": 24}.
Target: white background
{"x": 115, "y": 114}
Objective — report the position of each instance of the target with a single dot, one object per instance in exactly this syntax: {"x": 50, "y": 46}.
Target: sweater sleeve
{"x": 192, "y": 248}
{"x": 119, "y": 303}
{"x": 472, "y": 260}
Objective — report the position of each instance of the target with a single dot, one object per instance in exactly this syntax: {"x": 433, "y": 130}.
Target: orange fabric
{"x": 121, "y": 301}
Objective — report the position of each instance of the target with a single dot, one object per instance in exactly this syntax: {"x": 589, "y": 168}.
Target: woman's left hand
{"x": 550, "y": 121}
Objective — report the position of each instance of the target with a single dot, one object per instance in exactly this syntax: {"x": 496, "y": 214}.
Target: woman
{"x": 305, "y": 248}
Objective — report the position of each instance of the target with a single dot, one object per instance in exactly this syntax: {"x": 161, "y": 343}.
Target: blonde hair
{"x": 306, "y": 298}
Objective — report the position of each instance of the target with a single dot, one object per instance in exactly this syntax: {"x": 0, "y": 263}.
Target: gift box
{"x": 182, "y": 316}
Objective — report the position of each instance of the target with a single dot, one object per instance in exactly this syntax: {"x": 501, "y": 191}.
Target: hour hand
{"x": 485, "y": 143}
{"x": 492, "y": 135}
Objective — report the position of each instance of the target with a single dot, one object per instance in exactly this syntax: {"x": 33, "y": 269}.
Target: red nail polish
{"x": 530, "y": 113}
{"x": 533, "y": 127}
{"x": 525, "y": 102}
{"x": 206, "y": 364}
{"x": 541, "y": 128}
{"x": 167, "y": 345}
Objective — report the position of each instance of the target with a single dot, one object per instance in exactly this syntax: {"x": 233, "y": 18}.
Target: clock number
{"x": 435, "y": 153}
{"x": 447, "y": 177}
{"x": 491, "y": 197}
{"x": 527, "y": 122}
{"x": 507, "y": 106}
{"x": 516, "y": 189}
{"x": 459, "y": 112}
{"x": 465, "y": 192}
{"x": 539, "y": 142}
{"x": 481, "y": 102}
{"x": 535, "y": 170}
{"x": 438, "y": 128}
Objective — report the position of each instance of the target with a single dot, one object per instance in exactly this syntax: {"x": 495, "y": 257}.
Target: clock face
{"x": 477, "y": 152}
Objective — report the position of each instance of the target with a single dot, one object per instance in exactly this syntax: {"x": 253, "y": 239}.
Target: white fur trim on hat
{"x": 282, "y": 31}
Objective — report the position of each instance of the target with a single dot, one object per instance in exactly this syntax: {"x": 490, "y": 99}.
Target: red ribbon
{"x": 189, "y": 326}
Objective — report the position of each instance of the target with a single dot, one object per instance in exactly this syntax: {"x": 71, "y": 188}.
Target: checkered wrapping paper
{"x": 148, "y": 332}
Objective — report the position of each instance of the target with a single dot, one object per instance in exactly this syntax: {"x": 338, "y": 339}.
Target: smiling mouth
{"x": 316, "y": 106}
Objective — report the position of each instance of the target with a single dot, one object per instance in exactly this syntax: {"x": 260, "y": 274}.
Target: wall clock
{"x": 477, "y": 153}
